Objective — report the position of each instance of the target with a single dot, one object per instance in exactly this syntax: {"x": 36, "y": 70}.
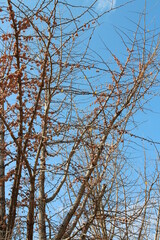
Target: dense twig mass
{"x": 65, "y": 120}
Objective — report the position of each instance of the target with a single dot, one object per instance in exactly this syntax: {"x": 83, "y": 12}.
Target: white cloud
{"x": 106, "y": 4}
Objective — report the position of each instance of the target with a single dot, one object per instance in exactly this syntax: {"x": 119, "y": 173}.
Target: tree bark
{"x": 42, "y": 227}
{"x": 2, "y": 182}
{"x": 30, "y": 220}
{"x": 42, "y": 200}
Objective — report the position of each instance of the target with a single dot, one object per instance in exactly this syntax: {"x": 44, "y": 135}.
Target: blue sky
{"x": 125, "y": 19}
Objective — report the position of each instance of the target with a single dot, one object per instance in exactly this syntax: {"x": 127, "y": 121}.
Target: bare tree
{"x": 65, "y": 113}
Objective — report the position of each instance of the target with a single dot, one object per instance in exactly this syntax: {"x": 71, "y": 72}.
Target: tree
{"x": 2, "y": 187}
{"x": 65, "y": 128}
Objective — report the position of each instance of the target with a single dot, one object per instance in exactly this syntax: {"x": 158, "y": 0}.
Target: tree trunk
{"x": 42, "y": 227}
{"x": 30, "y": 220}
{"x": 42, "y": 217}
{"x": 2, "y": 182}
